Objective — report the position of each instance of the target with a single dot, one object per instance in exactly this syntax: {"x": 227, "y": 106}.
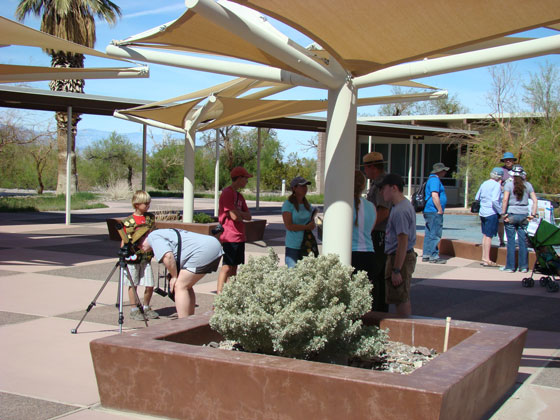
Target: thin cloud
{"x": 161, "y": 10}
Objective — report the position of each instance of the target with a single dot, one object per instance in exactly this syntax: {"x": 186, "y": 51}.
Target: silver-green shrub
{"x": 311, "y": 311}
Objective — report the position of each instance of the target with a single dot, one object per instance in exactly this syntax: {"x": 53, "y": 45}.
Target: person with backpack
{"x": 433, "y": 214}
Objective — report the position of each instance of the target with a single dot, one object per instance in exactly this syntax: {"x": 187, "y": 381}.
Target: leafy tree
{"x": 114, "y": 157}
{"x": 542, "y": 92}
{"x": 165, "y": 166}
{"x": 72, "y": 20}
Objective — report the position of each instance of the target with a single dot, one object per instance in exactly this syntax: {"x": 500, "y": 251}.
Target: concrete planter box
{"x": 254, "y": 229}
{"x": 163, "y": 370}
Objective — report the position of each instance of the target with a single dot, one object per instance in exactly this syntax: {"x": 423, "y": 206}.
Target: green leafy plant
{"x": 312, "y": 311}
{"x": 202, "y": 218}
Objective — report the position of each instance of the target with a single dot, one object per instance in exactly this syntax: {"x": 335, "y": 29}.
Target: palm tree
{"x": 72, "y": 20}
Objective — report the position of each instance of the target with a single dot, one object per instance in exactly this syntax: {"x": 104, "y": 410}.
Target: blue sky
{"x": 470, "y": 87}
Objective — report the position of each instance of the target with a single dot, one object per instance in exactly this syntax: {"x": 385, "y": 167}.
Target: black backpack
{"x": 418, "y": 200}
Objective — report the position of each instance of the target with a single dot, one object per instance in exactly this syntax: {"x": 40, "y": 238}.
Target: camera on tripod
{"x": 129, "y": 250}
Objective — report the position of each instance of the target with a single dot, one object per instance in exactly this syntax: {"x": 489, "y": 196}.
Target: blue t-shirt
{"x": 361, "y": 232}
{"x": 434, "y": 185}
{"x": 301, "y": 217}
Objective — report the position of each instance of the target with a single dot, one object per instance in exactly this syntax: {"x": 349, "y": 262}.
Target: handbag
{"x": 475, "y": 206}
{"x": 309, "y": 243}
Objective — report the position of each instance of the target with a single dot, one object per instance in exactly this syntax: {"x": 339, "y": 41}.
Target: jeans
{"x": 292, "y": 257}
{"x": 432, "y": 236}
{"x": 517, "y": 224}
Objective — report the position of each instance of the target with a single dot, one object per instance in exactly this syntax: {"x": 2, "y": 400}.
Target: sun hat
{"x": 299, "y": 180}
{"x": 373, "y": 158}
{"x": 240, "y": 171}
{"x": 438, "y": 167}
{"x": 518, "y": 170}
{"x": 508, "y": 155}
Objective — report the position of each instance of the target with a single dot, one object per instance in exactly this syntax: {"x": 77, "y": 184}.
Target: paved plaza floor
{"x": 50, "y": 272}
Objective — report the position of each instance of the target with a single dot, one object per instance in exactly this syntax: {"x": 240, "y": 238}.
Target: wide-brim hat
{"x": 240, "y": 171}
{"x": 508, "y": 155}
{"x": 299, "y": 180}
{"x": 373, "y": 158}
{"x": 438, "y": 167}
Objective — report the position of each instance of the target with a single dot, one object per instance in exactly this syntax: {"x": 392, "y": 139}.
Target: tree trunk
{"x": 321, "y": 150}
{"x": 61, "y": 59}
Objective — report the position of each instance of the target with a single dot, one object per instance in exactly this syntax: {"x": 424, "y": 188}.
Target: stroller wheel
{"x": 543, "y": 281}
{"x": 552, "y": 286}
{"x": 527, "y": 282}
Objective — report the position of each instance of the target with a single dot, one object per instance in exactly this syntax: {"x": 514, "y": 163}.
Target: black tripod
{"x": 124, "y": 252}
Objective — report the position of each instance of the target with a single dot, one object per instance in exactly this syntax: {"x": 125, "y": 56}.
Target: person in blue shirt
{"x": 298, "y": 216}
{"x": 433, "y": 214}
{"x": 490, "y": 196}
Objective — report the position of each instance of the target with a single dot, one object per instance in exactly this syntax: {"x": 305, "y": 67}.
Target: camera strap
{"x": 179, "y": 243}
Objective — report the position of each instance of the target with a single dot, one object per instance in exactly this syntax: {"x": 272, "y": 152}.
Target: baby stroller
{"x": 548, "y": 262}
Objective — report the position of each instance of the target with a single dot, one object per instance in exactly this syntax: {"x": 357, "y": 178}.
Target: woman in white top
{"x": 363, "y": 223}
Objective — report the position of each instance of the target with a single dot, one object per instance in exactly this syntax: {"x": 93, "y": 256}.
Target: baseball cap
{"x": 240, "y": 171}
{"x": 299, "y": 180}
{"x": 497, "y": 171}
{"x": 438, "y": 167}
{"x": 372, "y": 158}
{"x": 392, "y": 179}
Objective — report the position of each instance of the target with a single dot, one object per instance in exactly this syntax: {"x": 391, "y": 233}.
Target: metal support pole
{"x": 339, "y": 172}
{"x": 258, "y": 167}
{"x": 188, "y": 177}
{"x": 410, "y": 146}
{"x": 422, "y": 163}
{"x": 68, "y": 165}
{"x": 467, "y": 177}
{"x": 217, "y": 175}
{"x": 144, "y": 142}
{"x": 369, "y": 151}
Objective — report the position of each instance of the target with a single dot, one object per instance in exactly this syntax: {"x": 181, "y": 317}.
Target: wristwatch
{"x": 396, "y": 270}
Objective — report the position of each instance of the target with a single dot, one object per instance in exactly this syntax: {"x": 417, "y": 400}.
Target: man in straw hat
{"x": 374, "y": 168}
{"x": 433, "y": 214}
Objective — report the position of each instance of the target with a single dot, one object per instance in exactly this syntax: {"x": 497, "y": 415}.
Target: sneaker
{"x": 425, "y": 259}
{"x": 523, "y": 270}
{"x": 150, "y": 313}
{"x": 136, "y": 315}
{"x": 438, "y": 261}
{"x": 507, "y": 270}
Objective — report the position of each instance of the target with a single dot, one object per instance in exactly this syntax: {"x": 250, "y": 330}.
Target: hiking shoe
{"x": 150, "y": 313}
{"x": 136, "y": 315}
{"x": 507, "y": 270}
{"x": 438, "y": 261}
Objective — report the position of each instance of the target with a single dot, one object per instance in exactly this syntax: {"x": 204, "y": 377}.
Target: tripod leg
{"x": 138, "y": 303}
{"x": 93, "y": 302}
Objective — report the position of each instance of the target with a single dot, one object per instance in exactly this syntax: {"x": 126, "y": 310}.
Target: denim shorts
{"x": 489, "y": 225}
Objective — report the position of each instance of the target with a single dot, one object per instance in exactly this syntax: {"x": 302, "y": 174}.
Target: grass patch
{"x": 50, "y": 202}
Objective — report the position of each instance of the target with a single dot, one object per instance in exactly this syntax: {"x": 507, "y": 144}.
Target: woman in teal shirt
{"x": 297, "y": 215}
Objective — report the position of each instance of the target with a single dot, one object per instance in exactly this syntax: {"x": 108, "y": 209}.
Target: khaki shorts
{"x": 400, "y": 294}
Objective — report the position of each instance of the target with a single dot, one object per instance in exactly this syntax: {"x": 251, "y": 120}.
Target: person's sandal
{"x": 490, "y": 264}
